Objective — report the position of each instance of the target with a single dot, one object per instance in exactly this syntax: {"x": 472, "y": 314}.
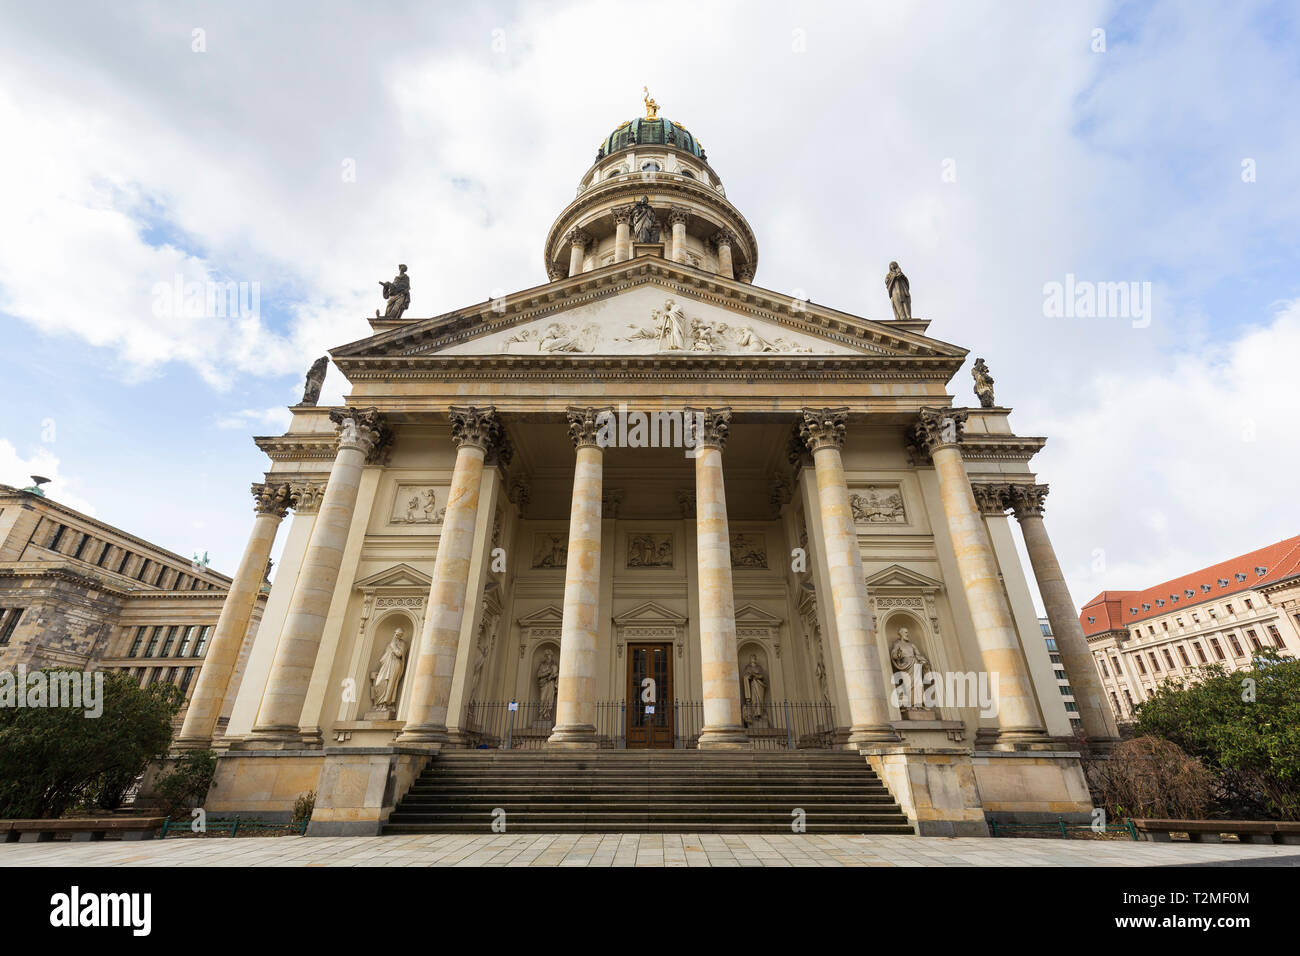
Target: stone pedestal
{"x": 360, "y": 786}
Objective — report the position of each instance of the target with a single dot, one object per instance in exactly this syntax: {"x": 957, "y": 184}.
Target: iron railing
{"x": 776, "y": 725}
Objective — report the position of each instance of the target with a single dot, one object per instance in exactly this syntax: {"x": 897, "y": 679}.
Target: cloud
{"x": 263, "y": 421}
{"x": 16, "y": 470}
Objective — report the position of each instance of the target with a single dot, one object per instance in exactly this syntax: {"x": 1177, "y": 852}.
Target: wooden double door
{"x": 650, "y": 696}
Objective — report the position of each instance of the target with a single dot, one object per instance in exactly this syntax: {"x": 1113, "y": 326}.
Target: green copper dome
{"x": 651, "y": 132}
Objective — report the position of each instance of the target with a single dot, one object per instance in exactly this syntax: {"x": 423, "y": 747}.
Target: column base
{"x": 192, "y": 743}
{"x": 725, "y": 738}
{"x": 869, "y": 736}
{"x": 432, "y": 736}
{"x": 572, "y": 737}
{"x": 1101, "y": 745}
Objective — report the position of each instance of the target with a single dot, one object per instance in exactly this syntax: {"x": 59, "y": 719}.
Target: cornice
{"x": 73, "y": 576}
{"x": 999, "y": 448}
{"x": 298, "y": 447}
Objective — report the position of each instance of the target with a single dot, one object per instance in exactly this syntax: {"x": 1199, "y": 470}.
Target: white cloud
{"x": 264, "y": 420}
{"x": 16, "y": 470}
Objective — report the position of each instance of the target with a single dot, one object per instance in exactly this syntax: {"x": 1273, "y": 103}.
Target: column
{"x": 622, "y": 233}
{"x": 1027, "y": 502}
{"x": 677, "y": 219}
{"x": 722, "y": 239}
{"x": 271, "y": 502}
{"x": 578, "y": 241}
{"x": 475, "y": 431}
{"x": 362, "y": 434}
{"x": 575, "y": 696}
{"x": 822, "y": 430}
{"x": 938, "y": 432}
{"x": 719, "y": 671}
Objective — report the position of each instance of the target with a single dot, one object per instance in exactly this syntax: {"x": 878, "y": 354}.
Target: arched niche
{"x": 751, "y": 654}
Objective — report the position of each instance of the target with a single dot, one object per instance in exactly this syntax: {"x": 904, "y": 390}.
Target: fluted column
{"x": 578, "y": 241}
{"x": 575, "y": 697}
{"x": 937, "y": 432}
{"x": 822, "y": 431}
{"x": 677, "y": 219}
{"x": 722, "y": 240}
{"x": 362, "y": 435}
{"x": 475, "y": 431}
{"x": 1027, "y": 502}
{"x": 271, "y": 502}
{"x": 719, "y": 671}
{"x": 622, "y": 233}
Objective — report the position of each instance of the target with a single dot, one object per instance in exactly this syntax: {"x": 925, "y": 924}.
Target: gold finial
{"x": 651, "y": 107}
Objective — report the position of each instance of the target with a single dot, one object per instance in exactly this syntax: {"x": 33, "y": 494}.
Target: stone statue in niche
{"x": 983, "y": 383}
{"x": 875, "y": 507}
{"x": 910, "y": 668}
{"x": 644, "y": 226}
{"x": 315, "y": 379}
{"x": 548, "y": 678}
{"x": 755, "y": 683}
{"x": 386, "y": 681}
{"x": 900, "y": 292}
{"x": 397, "y": 295}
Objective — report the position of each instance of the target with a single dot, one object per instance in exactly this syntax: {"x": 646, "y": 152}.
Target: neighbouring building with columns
{"x": 649, "y": 503}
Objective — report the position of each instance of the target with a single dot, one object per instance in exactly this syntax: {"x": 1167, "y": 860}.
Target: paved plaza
{"x": 630, "y": 849}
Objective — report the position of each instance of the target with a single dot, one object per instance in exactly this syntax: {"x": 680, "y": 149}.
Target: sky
{"x": 301, "y": 150}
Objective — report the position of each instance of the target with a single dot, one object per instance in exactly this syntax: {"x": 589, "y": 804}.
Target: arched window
{"x": 687, "y": 172}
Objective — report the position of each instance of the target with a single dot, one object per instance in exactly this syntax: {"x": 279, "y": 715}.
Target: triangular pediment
{"x": 645, "y": 307}
{"x": 549, "y": 616}
{"x": 398, "y": 576}
{"x": 650, "y": 613}
{"x": 753, "y": 615}
{"x": 897, "y": 576}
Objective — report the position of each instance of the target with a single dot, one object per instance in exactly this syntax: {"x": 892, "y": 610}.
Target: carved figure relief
{"x": 649, "y": 550}
{"x": 550, "y": 549}
{"x": 748, "y": 551}
{"x": 672, "y": 330}
{"x": 877, "y": 505}
{"x": 414, "y": 504}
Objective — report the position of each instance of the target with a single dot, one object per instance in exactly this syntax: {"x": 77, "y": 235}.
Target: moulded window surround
{"x": 1169, "y": 658}
{"x": 1200, "y": 653}
{"x": 1276, "y": 635}
{"x": 1236, "y": 645}
{"x": 1187, "y": 661}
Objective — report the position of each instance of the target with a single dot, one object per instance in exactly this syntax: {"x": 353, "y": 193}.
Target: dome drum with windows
{"x": 651, "y": 191}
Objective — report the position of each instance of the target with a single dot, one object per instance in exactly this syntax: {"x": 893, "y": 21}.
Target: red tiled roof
{"x": 1111, "y": 610}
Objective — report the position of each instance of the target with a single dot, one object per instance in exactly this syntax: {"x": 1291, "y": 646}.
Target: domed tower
{"x": 651, "y": 191}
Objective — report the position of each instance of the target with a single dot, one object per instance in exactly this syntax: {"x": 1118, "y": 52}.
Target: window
{"x": 1169, "y": 658}
{"x": 138, "y": 642}
{"x": 1218, "y": 650}
{"x": 1065, "y": 691}
{"x": 1236, "y": 645}
{"x": 1060, "y": 674}
{"x": 1213, "y": 615}
{"x": 9, "y": 618}
{"x": 1254, "y": 641}
{"x": 1104, "y": 671}
{"x": 1186, "y": 660}
{"x": 167, "y": 644}
{"x": 1129, "y": 698}
{"x": 153, "y": 642}
{"x": 203, "y": 641}
{"x": 1114, "y": 702}
{"x": 188, "y": 641}
{"x": 1072, "y": 707}
{"x": 58, "y": 536}
{"x": 1118, "y": 670}
{"x": 1196, "y": 619}
{"x": 1275, "y": 635}
{"x": 1228, "y": 608}
{"x": 1155, "y": 662}
{"x": 1142, "y": 668}
{"x": 1200, "y": 653}
{"x": 1250, "y": 605}
{"x": 1178, "y": 621}
{"x": 1164, "y": 625}
{"x": 1152, "y": 629}
{"x": 186, "y": 677}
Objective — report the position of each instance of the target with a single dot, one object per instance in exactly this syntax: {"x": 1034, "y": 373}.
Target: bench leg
{"x": 35, "y": 836}
{"x": 1257, "y": 838}
{"x": 137, "y": 834}
{"x": 84, "y": 837}
{"x": 1156, "y": 836}
{"x": 1205, "y": 838}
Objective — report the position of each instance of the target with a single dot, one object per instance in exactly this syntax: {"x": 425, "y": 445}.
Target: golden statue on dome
{"x": 651, "y": 107}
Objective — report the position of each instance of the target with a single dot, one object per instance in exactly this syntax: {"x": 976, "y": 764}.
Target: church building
{"x": 649, "y": 508}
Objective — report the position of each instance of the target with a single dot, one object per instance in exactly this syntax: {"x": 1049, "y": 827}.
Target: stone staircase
{"x": 647, "y": 791}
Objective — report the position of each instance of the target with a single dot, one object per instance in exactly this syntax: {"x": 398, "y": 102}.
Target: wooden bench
{"x": 1211, "y": 831}
{"x": 80, "y": 830}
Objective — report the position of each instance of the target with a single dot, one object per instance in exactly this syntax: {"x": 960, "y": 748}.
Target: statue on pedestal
{"x": 398, "y": 295}
{"x": 909, "y": 661}
{"x": 315, "y": 379}
{"x": 983, "y": 383}
{"x": 755, "y": 682}
{"x": 900, "y": 292}
{"x": 644, "y": 226}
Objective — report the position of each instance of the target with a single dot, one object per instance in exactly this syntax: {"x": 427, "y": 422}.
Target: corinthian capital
{"x": 992, "y": 498}
{"x": 622, "y": 214}
{"x": 723, "y": 237}
{"x": 709, "y": 426}
{"x": 363, "y": 429}
{"x": 823, "y": 427}
{"x": 586, "y": 425}
{"x": 1029, "y": 501}
{"x": 578, "y": 237}
{"x": 477, "y": 426}
{"x": 306, "y": 496}
{"x": 678, "y": 214}
{"x": 272, "y": 499}
{"x": 937, "y": 427}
